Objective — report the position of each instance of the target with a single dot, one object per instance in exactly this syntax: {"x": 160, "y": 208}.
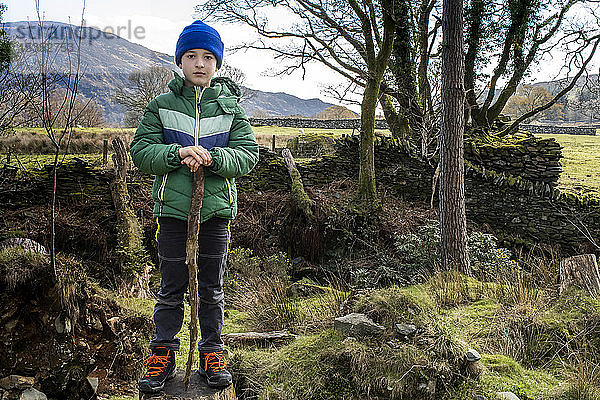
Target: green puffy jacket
{"x": 210, "y": 117}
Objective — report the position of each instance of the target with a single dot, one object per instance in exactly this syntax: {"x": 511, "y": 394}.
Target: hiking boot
{"x": 161, "y": 368}
{"x": 212, "y": 367}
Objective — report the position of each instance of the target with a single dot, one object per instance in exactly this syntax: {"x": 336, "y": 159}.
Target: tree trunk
{"x": 130, "y": 249}
{"x": 399, "y": 124}
{"x": 402, "y": 66}
{"x": 366, "y": 174}
{"x": 581, "y": 271}
{"x": 453, "y": 224}
{"x": 191, "y": 251}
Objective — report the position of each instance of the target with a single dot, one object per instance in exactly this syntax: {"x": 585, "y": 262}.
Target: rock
{"x": 305, "y": 287}
{"x": 62, "y": 325}
{"x": 358, "y": 325}
{"x": 97, "y": 324}
{"x": 93, "y": 381}
{"x": 23, "y": 243}
{"x": 32, "y": 394}
{"x": 175, "y": 390}
{"x": 16, "y": 382}
{"x": 508, "y": 396}
{"x": 473, "y": 355}
{"x": 406, "y": 330}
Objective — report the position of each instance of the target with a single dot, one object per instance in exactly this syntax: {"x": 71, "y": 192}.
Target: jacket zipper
{"x": 197, "y": 138}
{"x": 198, "y": 111}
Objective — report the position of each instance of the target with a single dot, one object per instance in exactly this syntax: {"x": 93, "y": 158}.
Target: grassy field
{"x": 89, "y": 140}
{"x": 581, "y": 160}
{"x": 581, "y": 163}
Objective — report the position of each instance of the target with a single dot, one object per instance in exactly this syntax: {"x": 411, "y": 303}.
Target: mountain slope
{"x": 107, "y": 60}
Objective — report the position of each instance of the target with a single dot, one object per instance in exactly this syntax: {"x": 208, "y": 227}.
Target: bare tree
{"x": 587, "y": 101}
{"x": 16, "y": 88}
{"x": 51, "y": 77}
{"x": 239, "y": 77}
{"x": 515, "y": 37}
{"x": 353, "y": 38}
{"x": 453, "y": 221}
{"x": 88, "y": 113}
{"x": 527, "y": 99}
{"x": 144, "y": 85}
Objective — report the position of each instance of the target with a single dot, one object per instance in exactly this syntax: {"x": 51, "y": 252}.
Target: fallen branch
{"x": 257, "y": 338}
{"x": 304, "y": 203}
{"x": 191, "y": 250}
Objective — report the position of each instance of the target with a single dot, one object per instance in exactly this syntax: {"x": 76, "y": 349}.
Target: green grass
{"x": 581, "y": 163}
{"x": 325, "y": 365}
{"x": 32, "y": 161}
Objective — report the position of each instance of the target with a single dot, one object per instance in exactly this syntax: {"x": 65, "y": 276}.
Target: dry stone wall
{"x": 563, "y": 130}
{"x": 533, "y": 210}
{"x": 315, "y": 123}
{"x": 532, "y": 158}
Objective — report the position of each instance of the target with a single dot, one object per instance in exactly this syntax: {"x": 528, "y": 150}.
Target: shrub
{"x": 422, "y": 250}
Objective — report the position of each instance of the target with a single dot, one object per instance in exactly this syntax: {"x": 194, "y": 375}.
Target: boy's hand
{"x": 194, "y": 157}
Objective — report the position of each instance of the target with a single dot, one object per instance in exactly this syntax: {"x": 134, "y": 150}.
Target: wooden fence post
{"x": 105, "y": 152}
{"x": 273, "y": 144}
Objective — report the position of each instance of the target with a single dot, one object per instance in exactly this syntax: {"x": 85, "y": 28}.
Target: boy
{"x": 198, "y": 123}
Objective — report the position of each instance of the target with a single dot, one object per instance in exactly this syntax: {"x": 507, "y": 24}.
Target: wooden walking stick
{"x": 191, "y": 251}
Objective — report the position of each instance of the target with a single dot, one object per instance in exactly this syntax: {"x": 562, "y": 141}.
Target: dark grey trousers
{"x": 213, "y": 241}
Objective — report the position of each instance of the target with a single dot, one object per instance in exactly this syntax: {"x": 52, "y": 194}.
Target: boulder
{"x": 357, "y": 325}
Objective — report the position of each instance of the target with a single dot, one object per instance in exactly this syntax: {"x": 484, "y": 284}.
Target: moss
{"x": 327, "y": 366}
{"x": 505, "y": 374}
{"x": 395, "y": 304}
{"x": 13, "y": 234}
{"x": 303, "y": 201}
{"x": 473, "y": 322}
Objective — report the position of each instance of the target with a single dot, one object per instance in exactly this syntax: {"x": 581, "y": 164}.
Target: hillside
{"x": 107, "y": 60}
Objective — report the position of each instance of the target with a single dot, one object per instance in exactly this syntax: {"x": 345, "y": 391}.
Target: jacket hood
{"x": 221, "y": 84}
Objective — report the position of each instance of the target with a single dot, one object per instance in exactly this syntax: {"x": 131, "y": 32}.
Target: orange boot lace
{"x": 215, "y": 361}
{"x": 156, "y": 364}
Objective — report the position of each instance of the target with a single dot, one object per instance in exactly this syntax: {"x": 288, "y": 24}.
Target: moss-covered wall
{"x": 315, "y": 123}
{"x": 535, "y": 210}
{"x": 532, "y": 158}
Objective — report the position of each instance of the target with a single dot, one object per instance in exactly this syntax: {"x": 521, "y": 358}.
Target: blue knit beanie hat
{"x": 198, "y": 35}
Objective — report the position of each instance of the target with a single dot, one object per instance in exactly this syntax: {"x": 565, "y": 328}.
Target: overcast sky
{"x": 161, "y": 22}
